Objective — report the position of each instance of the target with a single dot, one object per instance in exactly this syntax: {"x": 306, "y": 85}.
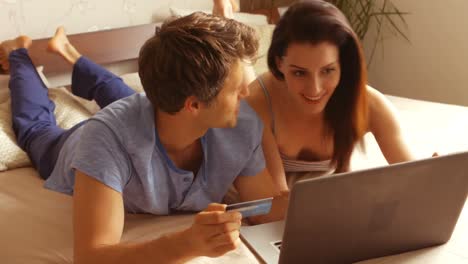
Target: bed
{"x": 35, "y": 223}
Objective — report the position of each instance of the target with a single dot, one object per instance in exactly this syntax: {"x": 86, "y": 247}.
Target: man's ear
{"x": 192, "y": 105}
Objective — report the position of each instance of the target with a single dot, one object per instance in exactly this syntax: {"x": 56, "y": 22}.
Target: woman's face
{"x": 312, "y": 73}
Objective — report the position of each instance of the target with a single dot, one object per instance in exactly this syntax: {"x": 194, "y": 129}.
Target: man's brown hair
{"x": 192, "y": 56}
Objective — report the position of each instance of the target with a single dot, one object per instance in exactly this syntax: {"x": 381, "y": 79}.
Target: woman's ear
{"x": 280, "y": 64}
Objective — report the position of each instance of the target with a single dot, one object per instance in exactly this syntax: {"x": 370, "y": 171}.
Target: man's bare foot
{"x": 225, "y": 8}
{"x": 8, "y": 46}
{"x": 60, "y": 45}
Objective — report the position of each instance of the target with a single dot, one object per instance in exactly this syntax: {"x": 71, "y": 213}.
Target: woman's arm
{"x": 386, "y": 128}
{"x": 273, "y": 161}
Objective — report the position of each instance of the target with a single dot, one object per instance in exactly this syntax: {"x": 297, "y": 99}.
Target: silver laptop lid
{"x": 349, "y": 217}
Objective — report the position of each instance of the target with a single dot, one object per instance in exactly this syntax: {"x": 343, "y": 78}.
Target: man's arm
{"x": 258, "y": 187}
{"x": 98, "y": 219}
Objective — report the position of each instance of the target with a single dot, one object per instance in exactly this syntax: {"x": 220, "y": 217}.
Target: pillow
{"x": 246, "y": 18}
{"x": 11, "y": 155}
{"x": 69, "y": 111}
{"x": 133, "y": 80}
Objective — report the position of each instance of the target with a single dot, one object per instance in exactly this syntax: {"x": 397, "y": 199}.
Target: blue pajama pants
{"x": 33, "y": 117}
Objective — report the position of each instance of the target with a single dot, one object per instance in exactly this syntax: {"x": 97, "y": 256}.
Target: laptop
{"x": 354, "y": 216}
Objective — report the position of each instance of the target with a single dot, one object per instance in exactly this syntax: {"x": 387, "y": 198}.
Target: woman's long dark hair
{"x": 316, "y": 21}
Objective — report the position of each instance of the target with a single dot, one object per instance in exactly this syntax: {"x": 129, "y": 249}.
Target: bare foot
{"x": 60, "y": 45}
{"x": 235, "y": 6}
{"x": 8, "y": 46}
{"x": 225, "y": 8}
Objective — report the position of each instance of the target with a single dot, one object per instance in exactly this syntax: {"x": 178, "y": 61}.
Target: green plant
{"x": 363, "y": 14}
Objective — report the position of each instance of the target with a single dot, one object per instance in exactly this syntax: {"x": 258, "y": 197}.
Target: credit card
{"x": 252, "y": 208}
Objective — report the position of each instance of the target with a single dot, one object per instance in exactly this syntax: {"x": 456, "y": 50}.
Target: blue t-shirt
{"x": 120, "y": 148}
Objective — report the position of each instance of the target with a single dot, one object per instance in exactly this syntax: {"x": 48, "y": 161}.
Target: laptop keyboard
{"x": 277, "y": 244}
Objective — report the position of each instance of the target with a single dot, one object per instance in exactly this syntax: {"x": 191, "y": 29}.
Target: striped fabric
{"x": 291, "y": 165}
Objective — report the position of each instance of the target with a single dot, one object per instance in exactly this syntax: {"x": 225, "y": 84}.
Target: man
{"x": 177, "y": 148}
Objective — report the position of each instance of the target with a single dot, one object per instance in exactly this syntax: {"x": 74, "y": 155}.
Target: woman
{"x": 314, "y": 100}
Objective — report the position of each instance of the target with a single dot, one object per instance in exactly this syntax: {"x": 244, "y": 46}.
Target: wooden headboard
{"x": 268, "y": 8}
{"x": 103, "y": 47}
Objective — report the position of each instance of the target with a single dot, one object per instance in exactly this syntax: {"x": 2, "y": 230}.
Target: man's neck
{"x": 180, "y": 135}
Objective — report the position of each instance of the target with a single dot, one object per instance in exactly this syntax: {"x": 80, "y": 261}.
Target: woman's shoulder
{"x": 381, "y": 110}
{"x": 374, "y": 97}
{"x": 258, "y": 98}
{"x": 377, "y": 101}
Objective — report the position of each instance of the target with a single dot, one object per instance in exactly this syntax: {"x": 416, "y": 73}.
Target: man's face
{"x": 224, "y": 109}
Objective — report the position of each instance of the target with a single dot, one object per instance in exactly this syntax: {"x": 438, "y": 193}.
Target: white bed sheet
{"x": 36, "y": 226}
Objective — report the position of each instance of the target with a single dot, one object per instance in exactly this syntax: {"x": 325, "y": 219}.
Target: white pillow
{"x": 133, "y": 80}
{"x": 68, "y": 112}
{"x": 11, "y": 156}
{"x": 246, "y": 18}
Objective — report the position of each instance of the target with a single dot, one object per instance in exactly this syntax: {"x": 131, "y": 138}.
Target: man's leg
{"x": 89, "y": 80}
{"x": 32, "y": 111}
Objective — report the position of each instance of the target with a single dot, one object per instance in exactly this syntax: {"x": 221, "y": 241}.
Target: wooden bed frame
{"x": 268, "y": 8}
{"x": 103, "y": 47}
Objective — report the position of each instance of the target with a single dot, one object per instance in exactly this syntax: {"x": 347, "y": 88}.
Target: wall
{"x": 38, "y": 19}
{"x": 433, "y": 66}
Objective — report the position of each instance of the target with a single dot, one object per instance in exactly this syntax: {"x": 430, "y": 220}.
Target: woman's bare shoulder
{"x": 381, "y": 110}
{"x": 377, "y": 101}
{"x": 257, "y": 99}
{"x": 375, "y": 98}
